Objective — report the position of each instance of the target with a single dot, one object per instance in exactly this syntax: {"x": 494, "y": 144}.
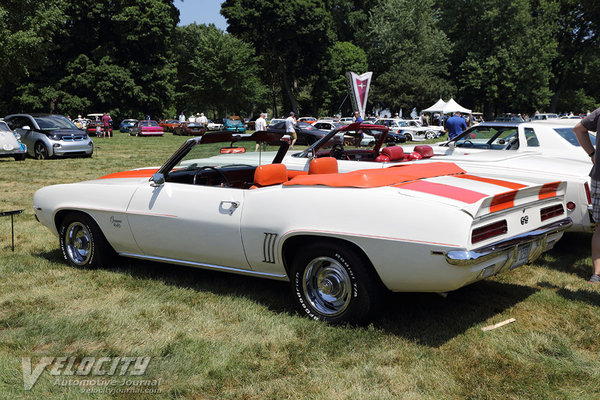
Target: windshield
{"x": 148, "y": 123}
{"x": 489, "y": 137}
{"x": 569, "y": 136}
{"x": 54, "y": 122}
{"x": 4, "y": 127}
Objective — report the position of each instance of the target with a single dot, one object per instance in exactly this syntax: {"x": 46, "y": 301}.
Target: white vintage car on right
{"x": 548, "y": 138}
{"x": 410, "y": 130}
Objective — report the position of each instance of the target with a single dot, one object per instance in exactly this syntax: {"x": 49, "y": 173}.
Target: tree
{"x": 105, "y": 55}
{"x": 502, "y": 52}
{"x": 216, "y": 72}
{"x": 408, "y": 53}
{"x": 292, "y": 37}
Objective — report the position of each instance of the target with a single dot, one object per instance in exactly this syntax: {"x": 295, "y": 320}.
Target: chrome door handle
{"x": 233, "y": 205}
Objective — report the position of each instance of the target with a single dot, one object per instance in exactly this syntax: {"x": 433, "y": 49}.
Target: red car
{"x": 92, "y": 128}
{"x": 169, "y": 124}
{"x": 189, "y": 129}
{"x": 146, "y": 127}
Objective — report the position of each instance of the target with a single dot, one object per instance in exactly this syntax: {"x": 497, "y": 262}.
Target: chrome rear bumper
{"x": 510, "y": 246}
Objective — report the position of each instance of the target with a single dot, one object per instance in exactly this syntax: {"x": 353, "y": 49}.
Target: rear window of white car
{"x": 569, "y": 136}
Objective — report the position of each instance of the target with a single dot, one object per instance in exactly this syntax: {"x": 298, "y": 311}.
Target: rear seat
{"x": 391, "y": 153}
{"x": 425, "y": 151}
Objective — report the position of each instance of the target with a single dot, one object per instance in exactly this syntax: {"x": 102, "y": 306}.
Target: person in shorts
{"x": 592, "y": 123}
{"x": 290, "y": 128}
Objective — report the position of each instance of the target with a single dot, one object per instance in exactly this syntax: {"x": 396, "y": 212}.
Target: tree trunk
{"x": 286, "y": 87}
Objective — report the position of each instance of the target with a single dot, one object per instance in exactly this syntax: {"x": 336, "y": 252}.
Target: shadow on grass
{"x": 426, "y": 318}
{"x": 592, "y": 298}
{"x": 430, "y": 319}
{"x": 54, "y": 256}
{"x": 570, "y": 255}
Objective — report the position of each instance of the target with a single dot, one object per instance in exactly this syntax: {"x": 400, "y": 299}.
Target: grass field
{"x": 217, "y": 335}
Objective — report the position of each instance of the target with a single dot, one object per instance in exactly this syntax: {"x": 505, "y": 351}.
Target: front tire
{"x": 409, "y": 137}
{"x": 429, "y": 135}
{"x": 82, "y": 243}
{"x": 40, "y": 151}
{"x": 334, "y": 283}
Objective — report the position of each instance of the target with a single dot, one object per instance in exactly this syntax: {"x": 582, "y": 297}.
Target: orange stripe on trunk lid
{"x": 497, "y": 182}
{"x": 549, "y": 190}
{"x": 503, "y": 201}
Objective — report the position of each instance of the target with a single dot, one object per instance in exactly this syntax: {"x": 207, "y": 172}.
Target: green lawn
{"x": 216, "y": 335}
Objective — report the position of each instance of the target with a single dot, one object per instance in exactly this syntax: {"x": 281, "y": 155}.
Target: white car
{"x": 213, "y": 126}
{"x": 237, "y": 218}
{"x": 546, "y": 116}
{"x": 549, "y": 138}
{"x": 346, "y": 120}
{"x": 10, "y": 144}
{"x": 411, "y": 131}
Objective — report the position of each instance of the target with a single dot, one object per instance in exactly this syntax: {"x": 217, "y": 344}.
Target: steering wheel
{"x": 337, "y": 151}
{"x": 468, "y": 141}
{"x": 226, "y": 181}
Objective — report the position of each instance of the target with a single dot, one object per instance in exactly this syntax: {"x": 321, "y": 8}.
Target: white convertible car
{"x": 442, "y": 228}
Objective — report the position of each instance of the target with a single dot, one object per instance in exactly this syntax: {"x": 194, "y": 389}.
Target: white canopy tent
{"x": 437, "y": 107}
{"x": 452, "y": 107}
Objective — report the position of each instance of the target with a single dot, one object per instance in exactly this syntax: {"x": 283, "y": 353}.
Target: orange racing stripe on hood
{"x": 136, "y": 173}
{"x": 439, "y": 189}
{"x": 497, "y": 182}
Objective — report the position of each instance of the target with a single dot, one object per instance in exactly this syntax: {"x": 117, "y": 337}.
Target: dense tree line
{"x": 129, "y": 57}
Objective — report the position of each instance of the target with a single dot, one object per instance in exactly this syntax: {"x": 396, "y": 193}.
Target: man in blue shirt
{"x": 455, "y": 125}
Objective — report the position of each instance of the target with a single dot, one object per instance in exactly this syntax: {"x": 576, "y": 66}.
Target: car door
{"x": 189, "y": 222}
{"x": 28, "y": 136}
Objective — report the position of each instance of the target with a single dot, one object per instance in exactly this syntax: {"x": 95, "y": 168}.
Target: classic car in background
{"x": 308, "y": 120}
{"x": 234, "y": 125}
{"x": 214, "y": 126}
{"x": 126, "y": 124}
{"x": 553, "y": 138}
{"x": 49, "y": 135}
{"x": 189, "y": 129}
{"x": 462, "y": 228}
{"x": 169, "y": 125}
{"x": 410, "y": 130}
{"x": 10, "y": 143}
{"x": 307, "y": 134}
{"x": 146, "y": 127}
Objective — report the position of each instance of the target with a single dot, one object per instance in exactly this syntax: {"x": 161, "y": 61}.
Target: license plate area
{"x": 523, "y": 252}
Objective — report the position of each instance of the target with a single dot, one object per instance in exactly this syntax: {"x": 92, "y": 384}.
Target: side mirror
{"x": 26, "y": 128}
{"x": 157, "y": 179}
{"x": 451, "y": 145}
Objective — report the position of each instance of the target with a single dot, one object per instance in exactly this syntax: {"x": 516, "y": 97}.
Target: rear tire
{"x": 332, "y": 282}
{"x": 82, "y": 243}
{"x": 409, "y": 137}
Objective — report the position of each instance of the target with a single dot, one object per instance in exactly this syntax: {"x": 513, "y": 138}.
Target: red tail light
{"x": 489, "y": 231}
{"x": 551, "y": 212}
{"x": 588, "y": 193}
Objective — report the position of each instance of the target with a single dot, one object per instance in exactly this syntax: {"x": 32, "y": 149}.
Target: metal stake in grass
{"x": 12, "y": 223}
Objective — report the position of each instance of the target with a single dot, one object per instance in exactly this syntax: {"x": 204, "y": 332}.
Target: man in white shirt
{"x": 290, "y": 128}
{"x": 202, "y": 120}
{"x": 192, "y": 118}
{"x": 182, "y": 117}
{"x": 260, "y": 125}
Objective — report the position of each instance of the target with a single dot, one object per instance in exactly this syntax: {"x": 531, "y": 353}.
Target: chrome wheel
{"x": 429, "y": 135}
{"x": 78, "y": 243}
{"x": 327, "y": 286}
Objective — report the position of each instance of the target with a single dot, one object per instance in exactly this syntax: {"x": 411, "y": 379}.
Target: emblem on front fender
{"x": 524, "y": 220}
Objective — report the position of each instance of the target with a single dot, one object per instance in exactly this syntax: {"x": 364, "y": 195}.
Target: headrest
{"x": 270, "y": 174}
{"x": 323, "y": 165}
{"x": 393, "y": 152}
{"x": 424, "y": 150}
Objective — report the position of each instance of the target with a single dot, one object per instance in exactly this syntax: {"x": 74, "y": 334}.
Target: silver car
{"x": 48, "y": 135}
{"x": 10, "y": 146}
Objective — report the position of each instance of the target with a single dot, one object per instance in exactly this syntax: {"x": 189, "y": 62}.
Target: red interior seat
{"x": 425, "y": 151}
{"x": 269, "y": 174}
{"x": 323, "y": 165}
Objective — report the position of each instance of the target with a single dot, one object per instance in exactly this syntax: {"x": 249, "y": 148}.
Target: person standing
{"x": 106, "y": 121}
{"x": 192, "y": 118}
{"x": 455, "y": 125}
{"x": 357, "y": 117}
{"x": 202, "y": 120}
{"x": 592, "y": 123}
{"x": 290, "y": 128}
{"x": 182, "y": 117}
{"x": 260, "y": 125}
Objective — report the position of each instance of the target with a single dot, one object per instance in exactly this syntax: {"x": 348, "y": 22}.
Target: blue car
{"x": 233, "y": 125}
{"x": 126, "y": 124}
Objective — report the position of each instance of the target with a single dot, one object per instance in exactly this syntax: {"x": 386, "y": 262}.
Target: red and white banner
{"x": 359, "y": 90}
